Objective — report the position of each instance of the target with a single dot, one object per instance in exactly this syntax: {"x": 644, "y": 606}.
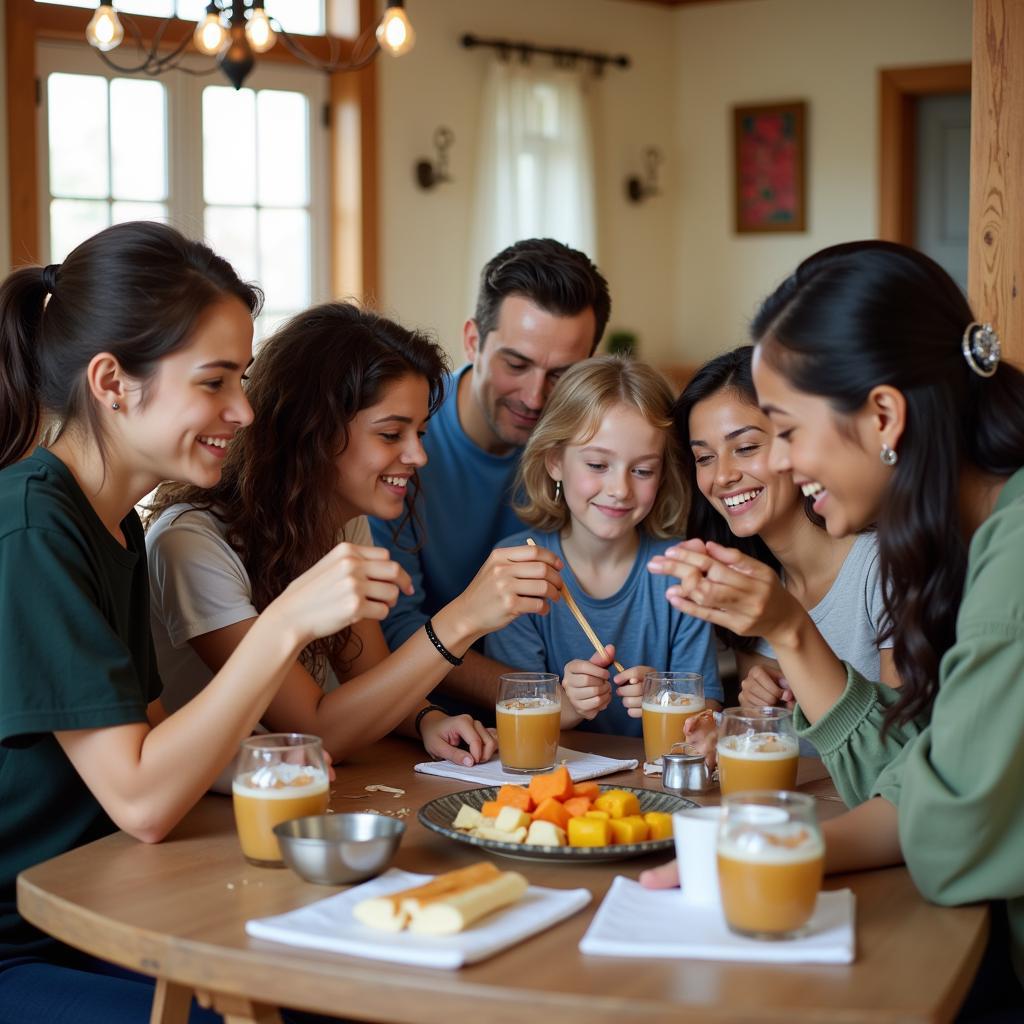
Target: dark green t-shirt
{"x": 75, "y": 653}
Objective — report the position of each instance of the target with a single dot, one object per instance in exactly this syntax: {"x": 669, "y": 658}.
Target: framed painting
{"x": 770, "y": 145}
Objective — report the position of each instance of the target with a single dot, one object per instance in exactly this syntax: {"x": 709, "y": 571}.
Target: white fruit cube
{"x": 545, "y": 833}
{"x": 468, "y": 817}
{"x": 511, "y": 818}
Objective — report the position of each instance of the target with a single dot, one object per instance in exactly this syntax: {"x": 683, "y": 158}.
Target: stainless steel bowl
{"x": 336, "y": 849}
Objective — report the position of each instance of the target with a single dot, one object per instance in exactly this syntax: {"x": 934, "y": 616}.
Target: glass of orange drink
{"x": 528, "y": 714}
{"x": 278, "y": 777}
{"x": 670, "y": 698}
{"x": 757, "y": 749}
{"x": 771, "y": 859}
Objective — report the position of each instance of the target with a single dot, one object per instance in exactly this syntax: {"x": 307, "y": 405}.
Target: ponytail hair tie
{"x": 981, "y": 349}
{"x": 50, "y": 277}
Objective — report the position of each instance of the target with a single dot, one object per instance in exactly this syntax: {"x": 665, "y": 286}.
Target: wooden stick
{"x": 581, "y": 618}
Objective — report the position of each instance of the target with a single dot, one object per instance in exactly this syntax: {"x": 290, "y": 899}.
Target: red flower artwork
{"x": 769, "y": 167}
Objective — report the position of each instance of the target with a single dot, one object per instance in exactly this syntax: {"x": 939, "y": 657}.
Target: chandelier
{"x": 233, "y": 31}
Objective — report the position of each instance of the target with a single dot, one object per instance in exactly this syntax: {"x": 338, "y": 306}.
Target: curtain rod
{"x": 563, "y": 56}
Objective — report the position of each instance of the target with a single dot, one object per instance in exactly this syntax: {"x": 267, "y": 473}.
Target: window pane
{"x": 138, "y": 128}
{"x": 284, "y": 258}
{"x": 73, "y": 221}
{"x": 231, "y": 232}
{"x": 79, "y": 159}
{"x": 229, "y": 145}
{"x": 282, "y": 133}
{"x": 303, "y": 17}
{"x": 120, "y": 212}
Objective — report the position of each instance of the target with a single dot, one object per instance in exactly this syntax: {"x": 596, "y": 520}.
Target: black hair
{"x": 308, "y": 381}
{"x": 730, "y": 371}
{"x": 864, "y": 314}
{"x": 134, "y": 290}
{"x": 560, "y": 280}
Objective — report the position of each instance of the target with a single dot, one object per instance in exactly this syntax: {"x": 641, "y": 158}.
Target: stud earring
{"x": 115, "y": 406}
{"x": 558, "y": 491}
{"x": 888, "y": 455}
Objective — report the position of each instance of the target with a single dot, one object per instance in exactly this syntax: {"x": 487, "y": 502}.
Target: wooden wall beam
{"x": 996, "y": 232}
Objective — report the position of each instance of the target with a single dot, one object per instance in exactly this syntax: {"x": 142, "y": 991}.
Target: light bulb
{"x": 394, "y": 33}
{"x": 104, "y": 31}
{"x": 258, "y": 31}
{"x": 210, "y": 35}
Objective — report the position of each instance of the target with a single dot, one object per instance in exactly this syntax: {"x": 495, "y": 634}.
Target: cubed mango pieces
{"x": 618, "y": 803}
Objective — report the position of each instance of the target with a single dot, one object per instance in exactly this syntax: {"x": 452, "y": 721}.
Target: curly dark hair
{"x": 309, "y": 380}
{"x": 730, "y": 371}
{"x": 856, "y": 316}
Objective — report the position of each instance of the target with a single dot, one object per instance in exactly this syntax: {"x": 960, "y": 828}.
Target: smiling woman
{"x": 341, "y": 400}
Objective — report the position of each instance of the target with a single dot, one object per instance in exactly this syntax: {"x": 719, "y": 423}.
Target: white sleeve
{"x": 357, "y": 531}
{"x": 197, "y": 582}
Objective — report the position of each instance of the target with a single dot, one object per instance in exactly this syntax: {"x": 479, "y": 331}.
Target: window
{"x": 245, "y": 170}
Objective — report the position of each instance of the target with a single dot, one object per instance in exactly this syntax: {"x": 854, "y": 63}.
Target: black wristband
{"x": 441, "y": 649}
{"x": 421, "y": 713}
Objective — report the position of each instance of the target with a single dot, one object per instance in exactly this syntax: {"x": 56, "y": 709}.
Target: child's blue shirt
{"x": 638, "y": 620}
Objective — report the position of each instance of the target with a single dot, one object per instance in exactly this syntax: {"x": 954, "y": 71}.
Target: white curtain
{"x": 535, "y": 170}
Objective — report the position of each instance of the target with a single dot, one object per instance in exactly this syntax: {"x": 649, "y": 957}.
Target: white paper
{"x": 581, "y": 767}
{"x": 328, "y": 924}
{"x": 659, "y": 923}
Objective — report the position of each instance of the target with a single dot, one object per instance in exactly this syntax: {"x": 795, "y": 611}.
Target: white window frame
{"x": 185, "y": 204}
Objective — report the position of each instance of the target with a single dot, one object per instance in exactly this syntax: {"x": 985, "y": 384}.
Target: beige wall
{"x": 424, "y": 240}
{"x": 828, "y": 53}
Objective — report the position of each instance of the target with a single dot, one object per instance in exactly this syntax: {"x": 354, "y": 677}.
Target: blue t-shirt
{"x": 463, "y": 509}
{"x": 644, "y": 627}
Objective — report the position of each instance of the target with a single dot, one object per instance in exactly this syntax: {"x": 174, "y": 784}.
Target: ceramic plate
{"x": 438, "y": 815}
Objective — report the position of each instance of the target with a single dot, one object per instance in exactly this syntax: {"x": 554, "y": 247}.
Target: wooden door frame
{"x": 899, "y": 91}
{"x": 352, "y": 147}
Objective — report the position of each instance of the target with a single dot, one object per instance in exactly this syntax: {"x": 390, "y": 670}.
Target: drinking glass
{"x": 670, "y": 698}
{"x": 529, "y": 716}
{"x": 279, "y": 776}
{"x": 757, "y": 749}
{"x": 771, "y": 860}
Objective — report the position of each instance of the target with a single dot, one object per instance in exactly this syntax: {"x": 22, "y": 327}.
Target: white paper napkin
{"x": 328, "y": 924}
{"x": 634, "y": 921}
{"x": 581, "y": 767}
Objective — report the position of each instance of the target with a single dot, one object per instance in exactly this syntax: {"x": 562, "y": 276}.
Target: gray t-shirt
{"x": 849, "y": 615}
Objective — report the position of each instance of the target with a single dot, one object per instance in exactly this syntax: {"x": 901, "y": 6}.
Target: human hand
{"x": 723, "y": 586}
{"x": 585, "y": 684}
{"x": 512, "y": 582}
{"x": 665, "y": 876}
{"x": 701, "y": 731}
{"x": 765, "y": 687}
{"x": 631, "y": 688}
{"x": 443, "y": 734}
{"x": 350, "y": 583}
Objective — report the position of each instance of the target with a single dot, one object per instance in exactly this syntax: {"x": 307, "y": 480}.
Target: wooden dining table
{"x": 177, "y": 911}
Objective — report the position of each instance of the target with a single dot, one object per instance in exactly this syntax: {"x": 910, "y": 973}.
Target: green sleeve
{"x": 849, "y": 736}
{"x": 960, "y": 789}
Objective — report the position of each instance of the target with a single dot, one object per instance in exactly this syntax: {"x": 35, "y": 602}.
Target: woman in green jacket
{"x": 891, "y": 407}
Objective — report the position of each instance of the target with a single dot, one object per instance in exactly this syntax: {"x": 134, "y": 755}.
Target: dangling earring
{"x": 888, "y": 455}
{"x": 558, "y": 491}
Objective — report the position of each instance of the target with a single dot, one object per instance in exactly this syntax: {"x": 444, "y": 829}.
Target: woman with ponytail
{"x": 891, "y": 406}
{"x": 129, "y": 357}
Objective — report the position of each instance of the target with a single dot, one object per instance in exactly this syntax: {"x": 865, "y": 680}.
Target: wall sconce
{"x": 430, "y": 174}
{"x": 638, "y": 190}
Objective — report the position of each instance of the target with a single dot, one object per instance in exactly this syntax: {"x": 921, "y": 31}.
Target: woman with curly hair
{"x": 341, "y": 398}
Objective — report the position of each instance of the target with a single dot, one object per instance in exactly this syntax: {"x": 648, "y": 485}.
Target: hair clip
{"x": 980, "y": 346}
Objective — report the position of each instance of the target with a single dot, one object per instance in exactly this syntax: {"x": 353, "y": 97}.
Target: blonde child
{"x": 602, "y": 488}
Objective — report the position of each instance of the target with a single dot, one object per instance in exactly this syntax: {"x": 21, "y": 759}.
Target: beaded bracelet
{"x": 441, "y": 649}
{"x": 425, "y": 711}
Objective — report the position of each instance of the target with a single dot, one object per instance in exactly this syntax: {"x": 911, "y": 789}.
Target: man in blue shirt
{"x": 541, "y": 308}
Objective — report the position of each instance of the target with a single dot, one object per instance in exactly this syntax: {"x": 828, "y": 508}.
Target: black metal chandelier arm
{"x": 298, "y": 50}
